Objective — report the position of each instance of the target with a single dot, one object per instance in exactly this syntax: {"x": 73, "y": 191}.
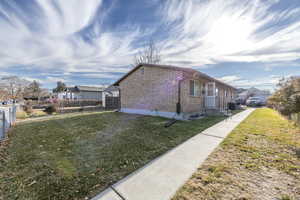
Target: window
{"x": 195, "y": 88}
{"x": 210, "y": 89}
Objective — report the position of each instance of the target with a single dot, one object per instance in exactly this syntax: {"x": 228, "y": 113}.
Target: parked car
{"x": 240, "y": 101}
{"x": 255, "y": 101}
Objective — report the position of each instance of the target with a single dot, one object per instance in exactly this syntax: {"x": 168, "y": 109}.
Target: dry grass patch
{"x": 22, "y": 115}
{"x": 257, "y": 161}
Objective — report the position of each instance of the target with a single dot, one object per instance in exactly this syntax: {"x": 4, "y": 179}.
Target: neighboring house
{"x": 253, "y": 92}
{"x": 81, "y": 93}
{"x": 113, "y": 92}
{"x": 172, "y": 92}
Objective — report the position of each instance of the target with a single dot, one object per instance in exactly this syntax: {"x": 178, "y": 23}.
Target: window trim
{"x": 211, "y": 90}
{"x": 196, "y": 84}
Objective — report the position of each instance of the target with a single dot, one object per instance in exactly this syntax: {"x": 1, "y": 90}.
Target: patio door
{"x": 210, "y": 95}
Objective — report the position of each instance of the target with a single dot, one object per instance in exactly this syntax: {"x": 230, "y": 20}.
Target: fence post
{"x": 10, "y": 116}
{"x": 14, "y": 116}
{"x": 3, "y": 124}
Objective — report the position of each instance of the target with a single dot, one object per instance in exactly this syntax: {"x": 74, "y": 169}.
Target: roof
{"x": 90, "y": 88}
{"x": 183, "y": 69}
{"x": 78, "y": 88}
{"x": 112, "y": 88}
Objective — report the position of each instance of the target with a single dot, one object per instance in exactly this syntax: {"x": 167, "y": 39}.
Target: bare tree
{"x": 60, "y": 87}
{"x": 14, "y": 86}
{"x": 150, "y": 54}
{"x": 33, "y": 90}
{"x": 4, "y": 94}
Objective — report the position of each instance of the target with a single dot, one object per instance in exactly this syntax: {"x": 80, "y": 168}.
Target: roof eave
{"x": 199, "y": 73}
{"x": 127, "y": 74}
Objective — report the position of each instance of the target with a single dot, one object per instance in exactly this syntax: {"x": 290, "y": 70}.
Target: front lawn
{"x": 257, "y": 161}
{"x": 73, "y": 157}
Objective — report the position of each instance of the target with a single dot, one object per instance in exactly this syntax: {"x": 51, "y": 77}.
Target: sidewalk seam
{"x": 123, "y": 198}
{"x": 212, "y": 135}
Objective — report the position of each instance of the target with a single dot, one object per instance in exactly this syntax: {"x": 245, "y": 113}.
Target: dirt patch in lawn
{"x": 257, "y": 161}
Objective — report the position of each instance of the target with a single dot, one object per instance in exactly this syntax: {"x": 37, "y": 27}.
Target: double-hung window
{"x": 195, "y": 88}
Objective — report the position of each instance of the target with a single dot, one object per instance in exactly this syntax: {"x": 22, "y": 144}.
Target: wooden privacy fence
{"x": 66, "y": 103}
{"x": 112, "y": 102}
{"x": 7, "y": 118}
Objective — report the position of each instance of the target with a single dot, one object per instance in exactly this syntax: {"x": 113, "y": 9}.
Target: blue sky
{"x": 93, "y": 42}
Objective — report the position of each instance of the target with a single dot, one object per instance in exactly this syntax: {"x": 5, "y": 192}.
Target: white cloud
{"x": 261, "y": 83}
{"x": 213, "y": 31}
{"x": 100, "y": 75}
{"x": 31, "y": 79}
{"x": 200, "y": 33}
{"x": 229, "y": 79}
{"x": 56, "y": 45}
{"x": 67, "y": 17}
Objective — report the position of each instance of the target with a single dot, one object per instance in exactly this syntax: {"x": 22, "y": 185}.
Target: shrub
{"x": 286, "y": 99}
{"x": 22, "y": 115}
{"x": 50, "y": 109}
{"x": 38, "y": 113}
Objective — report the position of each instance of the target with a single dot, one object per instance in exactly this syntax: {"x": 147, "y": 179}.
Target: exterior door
{"x": 210, "y": 95}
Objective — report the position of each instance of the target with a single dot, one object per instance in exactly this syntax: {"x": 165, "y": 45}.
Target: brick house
{"x": 172, "y": 92}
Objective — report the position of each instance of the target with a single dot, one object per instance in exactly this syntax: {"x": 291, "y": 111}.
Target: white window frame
{"x": 196, "y": 88}
{"x": 213, "y": 89}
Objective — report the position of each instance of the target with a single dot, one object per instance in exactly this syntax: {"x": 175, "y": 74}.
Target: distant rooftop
{"x": 86, "y": 88}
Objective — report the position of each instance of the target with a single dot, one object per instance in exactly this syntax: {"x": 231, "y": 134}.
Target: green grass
{"x": 77, "y": 156}
{"x": 259, "y": 153}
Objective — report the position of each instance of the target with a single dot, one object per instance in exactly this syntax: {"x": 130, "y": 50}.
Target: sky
{"x": 246, "y": 43}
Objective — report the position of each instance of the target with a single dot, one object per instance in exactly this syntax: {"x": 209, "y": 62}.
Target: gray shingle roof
{"x": 78, "y": 88}
{"x": 90, "y": 88}
{"x": 187, "y": 70}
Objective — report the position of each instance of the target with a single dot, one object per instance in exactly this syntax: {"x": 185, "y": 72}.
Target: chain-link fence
{"x": 7, "y": 118}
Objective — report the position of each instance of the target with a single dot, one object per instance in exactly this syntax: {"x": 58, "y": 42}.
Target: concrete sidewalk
{"x": 162, "y": 177}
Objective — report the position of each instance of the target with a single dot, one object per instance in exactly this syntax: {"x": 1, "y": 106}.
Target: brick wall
{"x": 153, "y": 88}
{"x": 190, "y": 103}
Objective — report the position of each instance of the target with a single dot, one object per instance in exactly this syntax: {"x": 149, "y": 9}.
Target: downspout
{"x": 178, "y": 105}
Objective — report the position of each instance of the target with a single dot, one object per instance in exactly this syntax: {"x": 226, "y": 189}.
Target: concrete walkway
{"x": 161, "y": 178}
